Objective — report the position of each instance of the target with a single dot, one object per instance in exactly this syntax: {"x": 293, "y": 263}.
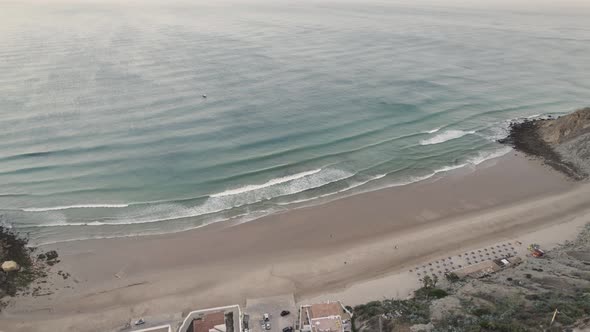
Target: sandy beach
{"x": 353, "y": 249}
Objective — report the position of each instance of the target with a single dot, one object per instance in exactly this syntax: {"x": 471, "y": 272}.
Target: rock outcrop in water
{"x": 564, "y": 142}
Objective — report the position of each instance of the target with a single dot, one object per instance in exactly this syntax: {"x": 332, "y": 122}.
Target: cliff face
{"x": 565, "y": 128}
{"x": 563, "y": 143}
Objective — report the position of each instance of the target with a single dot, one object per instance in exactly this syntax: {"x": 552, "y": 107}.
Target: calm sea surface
{"x": 105, "y": 131}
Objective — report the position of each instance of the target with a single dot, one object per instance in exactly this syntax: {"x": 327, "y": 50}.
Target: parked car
{"x": 266, "y": 317}
{"x": 288, "y": 329}
{"x": 267, "y": 326}
{"x": 285, "y": 313}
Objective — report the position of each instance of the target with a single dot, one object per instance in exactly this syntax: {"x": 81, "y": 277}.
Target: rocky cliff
{"x": 564, "y": 142}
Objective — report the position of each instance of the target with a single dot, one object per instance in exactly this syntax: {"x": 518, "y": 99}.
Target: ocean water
{"x": 105, "y": 131}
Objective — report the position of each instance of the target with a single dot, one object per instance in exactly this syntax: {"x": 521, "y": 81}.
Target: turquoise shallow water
{"x": 105, "y": 131}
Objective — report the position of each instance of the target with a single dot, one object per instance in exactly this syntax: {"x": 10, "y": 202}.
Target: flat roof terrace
{"x": 325, "y": 310}
{"x": 327, "y": 324}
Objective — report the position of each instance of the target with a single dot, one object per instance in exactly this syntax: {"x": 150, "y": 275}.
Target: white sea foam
{"x": 163, "y": 212}
{"x": 266, "y": 184}
{"x": 358, "y": 184}
{"x": 81, "y": 206}
{"x": 294, "y": 185}
{"x": 297, "y": 184}
{"x": 150, "y": 214}
{"x": 243, "y": 217}
{"x": 428, "y": 176}
{"x": 474, "y": 161}
{"x": 432, "y": 131}
{"x": 501, "y": 129}
{"x": 218, "y": 203}
{"x": 483, "y": 156}
{"x": 446, "y": 136}
{"x": 498, "y": 131}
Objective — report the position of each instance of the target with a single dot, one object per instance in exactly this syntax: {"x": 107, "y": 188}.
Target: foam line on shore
{"x": 221, "y": 203}
{"x": 158, "y": 213}
{"x": 480, "y": 158}
{"x": 244, "y": 217}
{"x": 80, "y": 206}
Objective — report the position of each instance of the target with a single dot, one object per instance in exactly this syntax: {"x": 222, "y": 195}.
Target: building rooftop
{"x": 213, "y": 320}
{"x": 327, "y": 324}
{"x": 486, "y": 267}
{"x": 163, "y": 328}
{"x": 325, "y": 310}
{"x": 323, "y": 317}
{"x": 208, "y": 322}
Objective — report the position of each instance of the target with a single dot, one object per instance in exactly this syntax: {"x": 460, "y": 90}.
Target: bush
{"x": 452, "y": 277}
{"x": 437, "y": 293}
{"x": 413, "y": 311}
{"x": 368, "y": 310}
{"x": 430, "y": 293}
{"x": 501, "y": 326}
{"x": 481, "y": 312}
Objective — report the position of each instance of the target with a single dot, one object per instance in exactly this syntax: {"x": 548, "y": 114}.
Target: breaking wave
{"x": 81, "y": 206}
{"x": 377, "y": 177}
{"x": 432, "y": 131}
{"x": 226, "y": 200}
{"x": 266, "y": 184}
{"x": 446, "y": 136}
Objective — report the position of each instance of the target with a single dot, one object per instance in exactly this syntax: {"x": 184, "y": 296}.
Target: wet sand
{"x": 325, "y": 249}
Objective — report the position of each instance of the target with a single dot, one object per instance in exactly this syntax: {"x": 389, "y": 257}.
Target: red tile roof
{"x": 325, "y": 310}
{"x": 208, "y": 321}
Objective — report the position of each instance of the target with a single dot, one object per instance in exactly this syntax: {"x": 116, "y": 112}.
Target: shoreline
{"x": 323, "y": 249}
{"x": 468, "y": 166}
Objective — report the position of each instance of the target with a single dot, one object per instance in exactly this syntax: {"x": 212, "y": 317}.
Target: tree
{"x": 452, "y": 277}
{"x": 427, "y": 281}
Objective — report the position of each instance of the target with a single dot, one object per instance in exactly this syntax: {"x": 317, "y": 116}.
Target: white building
{"x": 324, "y": 317}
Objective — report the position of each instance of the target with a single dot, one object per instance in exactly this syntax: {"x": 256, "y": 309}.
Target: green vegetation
{"x": 452, "y": 277}
{"x": 413, "y": 310}
{"x": 429, "y": 282}
{"x": 392, "y": 313}
{"x": 14, "y": 248}
{"x": 519, "y": 299}
{"x": 430, "y": 293}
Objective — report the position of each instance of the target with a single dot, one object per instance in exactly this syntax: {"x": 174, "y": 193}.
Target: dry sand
{"x": 355, "y": 248}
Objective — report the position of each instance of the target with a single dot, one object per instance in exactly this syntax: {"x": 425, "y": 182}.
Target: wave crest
{"x": 432, "y": 131}
{"x": 446, "y": 136}
{"x": 224, "y": 201}
{"x": 272, "y": 182}
{"x": 68, "y": 207}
